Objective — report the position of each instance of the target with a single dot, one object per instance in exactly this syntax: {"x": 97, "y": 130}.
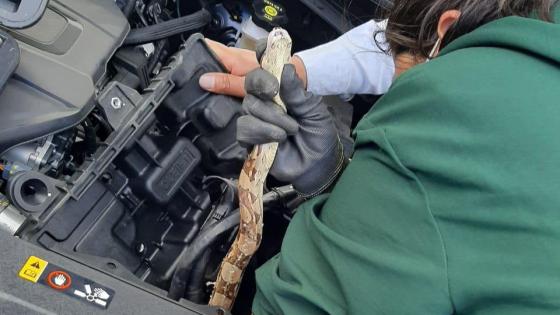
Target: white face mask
{"x": 435, "y": 50}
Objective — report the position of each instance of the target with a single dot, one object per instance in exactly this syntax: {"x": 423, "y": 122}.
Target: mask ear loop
{"x": 435, "y": 50}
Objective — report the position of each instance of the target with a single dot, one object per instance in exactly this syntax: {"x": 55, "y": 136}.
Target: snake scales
{"x": 251, "y": 184}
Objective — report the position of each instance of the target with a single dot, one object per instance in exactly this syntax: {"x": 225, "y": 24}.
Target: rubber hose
{"x": 209, "y": 236}
{"x": 169, "y": 28}
{"x": 204, "y": 240}
{"x": 195, "y": 291}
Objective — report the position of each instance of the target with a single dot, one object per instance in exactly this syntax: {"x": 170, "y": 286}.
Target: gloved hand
{"x": 310, "y": 154}
{"x": 238, "y": 63}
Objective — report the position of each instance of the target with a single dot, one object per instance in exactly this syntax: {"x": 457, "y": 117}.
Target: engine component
{"x": 168, "y": 28}
{"x": 117, "y": 103}
{"x": 227, "y": 19}
{"x": 132, "y": 67}
{"x": 22, "y": 13}
{"x": 188, "y": 105}
{"x": 31, "y": 154}
{"x": 251, "y": 34}
{"x": 269, "y": 13}
{"x": 140, "y": 199}
{"x": 46, "y": 154}
{"x": 158, "y": 165}
{"x": 9, "y": 56}
{"x": 11, "y": 220}
{"x": 31, "y": 191}
{"x": 55, "y": 81}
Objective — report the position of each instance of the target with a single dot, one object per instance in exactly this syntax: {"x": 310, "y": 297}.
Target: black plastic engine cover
{"x": 21, "y": 13}
{"x": 188, "y": 104}
{"x": 9, "y": 57}
{"x": 63, "y": 56}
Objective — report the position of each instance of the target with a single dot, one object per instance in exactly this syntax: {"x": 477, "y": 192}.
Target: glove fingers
{"x": 294, "y": 95}
{"x": 262, "y": 84}
{"x": 221, "y": 111}
{"x": 270, "y": 113}
{"x": 252, "y": 131}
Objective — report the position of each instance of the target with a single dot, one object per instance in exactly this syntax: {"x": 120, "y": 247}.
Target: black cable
{"x": 90, "y": 137}
{"x": 209, "y": 236}
{"x": 168, "y": 28}
{"x": 204, "y": 240}
{"x": 157, "y": 55}
{"x": 104, "y": 124}
{"x": 196, "y": 290}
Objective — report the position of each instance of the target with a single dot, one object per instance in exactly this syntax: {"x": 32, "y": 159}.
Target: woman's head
{"x": 415, "y": 26}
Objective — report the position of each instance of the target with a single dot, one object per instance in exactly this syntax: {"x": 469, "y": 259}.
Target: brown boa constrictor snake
{"x": 251, "y": 184}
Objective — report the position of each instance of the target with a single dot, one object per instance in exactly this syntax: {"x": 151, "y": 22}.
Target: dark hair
{"x": 412, "y": 25}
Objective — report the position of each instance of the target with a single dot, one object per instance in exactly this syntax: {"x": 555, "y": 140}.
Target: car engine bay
{"x": 107, "y": 154}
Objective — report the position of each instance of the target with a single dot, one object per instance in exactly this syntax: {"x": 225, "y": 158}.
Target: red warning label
{"x": 59, "y": 280}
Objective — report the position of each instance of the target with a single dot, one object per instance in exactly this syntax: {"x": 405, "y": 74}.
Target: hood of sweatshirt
{"x": 526, "y": 35}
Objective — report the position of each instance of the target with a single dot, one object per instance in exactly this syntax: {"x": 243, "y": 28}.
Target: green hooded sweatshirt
{"x": 451, "y": 204}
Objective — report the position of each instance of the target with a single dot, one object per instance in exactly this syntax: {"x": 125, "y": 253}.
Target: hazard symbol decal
{"x": 37, "y": 270}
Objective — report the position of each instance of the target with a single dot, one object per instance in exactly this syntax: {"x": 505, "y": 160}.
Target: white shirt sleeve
{"x": 350, "y": 64}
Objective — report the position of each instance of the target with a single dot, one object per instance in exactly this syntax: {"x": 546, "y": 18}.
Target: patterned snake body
{"x": 251, "y": 185}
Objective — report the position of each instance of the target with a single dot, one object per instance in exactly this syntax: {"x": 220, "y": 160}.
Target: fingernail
{"x": 207, "y": 81}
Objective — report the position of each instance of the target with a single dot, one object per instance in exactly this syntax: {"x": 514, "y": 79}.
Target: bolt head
{"x": 116, "y": 103}
{"x": 140, "y": 248}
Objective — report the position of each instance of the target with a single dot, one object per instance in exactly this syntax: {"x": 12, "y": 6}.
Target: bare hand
{"x": 238, "y": 63}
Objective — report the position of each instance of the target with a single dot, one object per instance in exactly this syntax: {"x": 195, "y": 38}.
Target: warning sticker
{"x": 40, "y": 271}
{"x": 59, "y": 280}
{"x": 95, "y": 294}
{"x": 33, "y": 269}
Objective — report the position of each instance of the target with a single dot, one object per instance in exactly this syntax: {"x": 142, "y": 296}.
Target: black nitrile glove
{"x": 310, "y": 154}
